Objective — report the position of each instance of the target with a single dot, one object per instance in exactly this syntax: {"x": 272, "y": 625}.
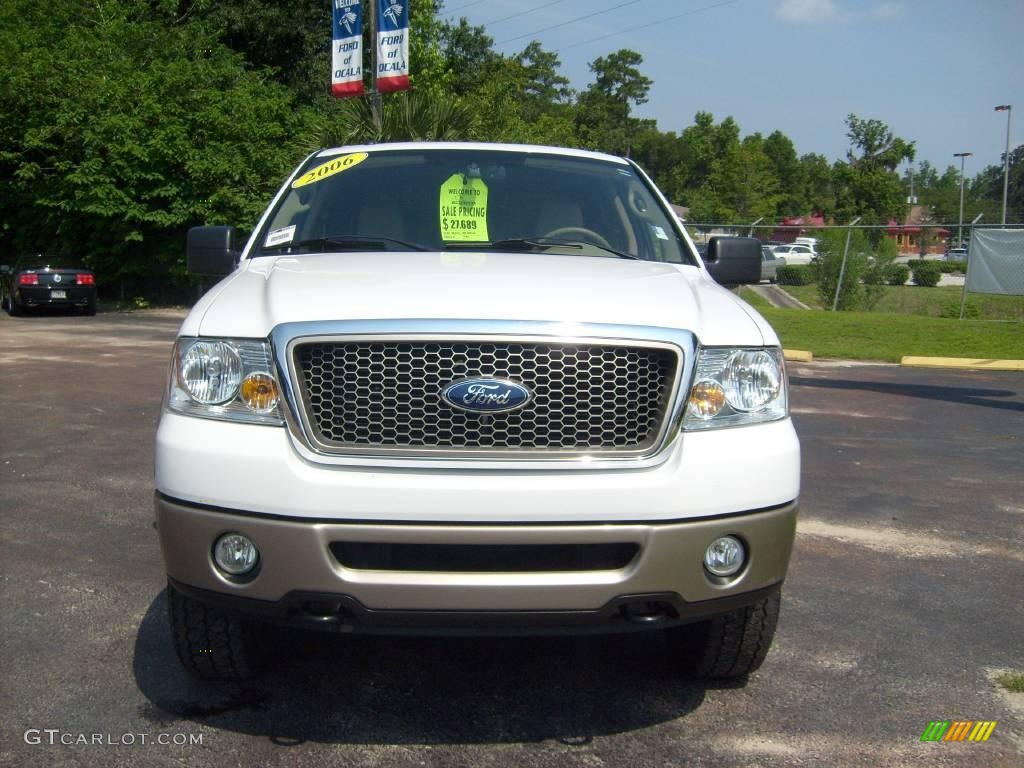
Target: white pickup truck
{"x": 473, "y": 388}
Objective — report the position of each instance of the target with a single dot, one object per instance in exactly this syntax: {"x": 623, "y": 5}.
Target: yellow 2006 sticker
{"x": 463, "y": 209}
{"x": 337, "y": 165}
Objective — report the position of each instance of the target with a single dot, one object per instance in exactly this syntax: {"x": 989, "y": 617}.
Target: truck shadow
{"x": 382, "y": 690}
{"x": 979, "y": 396}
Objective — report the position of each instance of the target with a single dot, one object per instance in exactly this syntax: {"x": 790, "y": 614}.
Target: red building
{"x": 793, "y": 227}
{"x": 908, "y": 234}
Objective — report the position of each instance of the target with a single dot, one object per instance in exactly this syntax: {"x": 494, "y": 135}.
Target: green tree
{"x": 780, "y": 151}
{"x": 987, "y": 191}
{"x": 545, "y": 91}
{"x": 468, "y": 54}
{"x": 818, "y": 189}
{"x": 149, "y": 126}
{"x": 867, "y": 185}
{"x": 873, "y": 145}
{"x": 742, "y": 185}
{"x": 603, "y": 110}
{"x": 408, "y": 116}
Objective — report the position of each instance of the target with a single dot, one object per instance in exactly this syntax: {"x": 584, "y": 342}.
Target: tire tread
{"x": 210, "y": 642}
{"x": 731, "y": 645}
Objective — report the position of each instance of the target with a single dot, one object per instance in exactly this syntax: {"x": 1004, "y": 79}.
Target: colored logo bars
{"x": 958, "y": 730}
{"x": 347, "y": 48}
{"x": 392, "y": 45}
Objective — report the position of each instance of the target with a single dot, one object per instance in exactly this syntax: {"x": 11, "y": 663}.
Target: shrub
{"x": 926, "y": 273}
{"x": 886, "y": 250}
{"x": 897, "y": 274}
{"x": 852, "y": 294}
{"x": 952, "y": 266}
{"x": 797, "y": 274}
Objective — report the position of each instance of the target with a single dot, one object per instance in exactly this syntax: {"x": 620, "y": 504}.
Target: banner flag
{"x": 347, "y": 48}
{"x": 392, "y": 45}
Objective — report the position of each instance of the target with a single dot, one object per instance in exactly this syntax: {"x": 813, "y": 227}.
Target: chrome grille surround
{"x": 499, "y": 339}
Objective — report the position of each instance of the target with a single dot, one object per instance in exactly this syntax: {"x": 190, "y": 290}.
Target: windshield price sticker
{"x": 280, "y": 236}
{"x": 337, "y": 165}
{"x": 463, "y": 209}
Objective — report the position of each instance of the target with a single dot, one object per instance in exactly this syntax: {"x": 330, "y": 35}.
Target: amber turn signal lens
{"x": 259, "y": 392}
{"x": 707, "y": 398}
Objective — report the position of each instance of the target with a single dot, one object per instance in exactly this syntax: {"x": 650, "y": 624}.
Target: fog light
{"x": 725, "y": 556}
{"x": 235, "y": 554}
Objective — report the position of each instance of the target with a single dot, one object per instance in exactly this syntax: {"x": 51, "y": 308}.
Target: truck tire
{"x": 730, "y": 645}
{"x": 212, "y": 643}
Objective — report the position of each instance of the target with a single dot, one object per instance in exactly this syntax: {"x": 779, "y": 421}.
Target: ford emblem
{"x": 486, "y": 395}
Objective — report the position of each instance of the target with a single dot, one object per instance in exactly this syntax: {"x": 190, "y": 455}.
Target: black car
{"x": 40, "y": 282}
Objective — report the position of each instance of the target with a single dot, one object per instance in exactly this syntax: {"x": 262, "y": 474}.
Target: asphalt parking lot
{"x": 904, "y": 600}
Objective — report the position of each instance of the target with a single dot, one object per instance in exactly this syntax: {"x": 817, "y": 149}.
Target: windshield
{"x": 452, "y": 199}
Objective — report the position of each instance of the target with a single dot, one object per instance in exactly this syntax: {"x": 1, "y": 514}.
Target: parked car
{"x": 796, "y": 253}
{"x": 41, "y": 282}
{"x": 770, "y": 263}
{"x": 956, "y": 254}
{"x": 461, "y": 388}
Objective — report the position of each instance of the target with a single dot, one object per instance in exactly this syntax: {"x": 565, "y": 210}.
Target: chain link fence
{"x": 880, "y": 267}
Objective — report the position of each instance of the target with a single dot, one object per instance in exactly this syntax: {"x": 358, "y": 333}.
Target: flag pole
{"x": 376, "y": 107}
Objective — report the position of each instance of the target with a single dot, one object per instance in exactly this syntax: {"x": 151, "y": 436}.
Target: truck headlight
{"x": 224, "y": 379}
{"x": 211, "y": 372}
{"x": 733, "y": 387}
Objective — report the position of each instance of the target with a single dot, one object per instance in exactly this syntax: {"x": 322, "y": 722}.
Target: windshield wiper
{"x": 345, "y": 242}
{"x": 522, "y": 243}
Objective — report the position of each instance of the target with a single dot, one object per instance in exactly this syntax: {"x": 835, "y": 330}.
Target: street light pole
{"x": 960, "y": 231}
{"x": 1007, "y": 108}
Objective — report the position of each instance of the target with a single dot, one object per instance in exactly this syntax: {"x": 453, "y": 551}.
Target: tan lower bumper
{"x": 296, "y": 556}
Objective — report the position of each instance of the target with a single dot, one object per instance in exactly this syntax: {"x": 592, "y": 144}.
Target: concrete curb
{"x": 798, "y": 355}
{"x": 962, "y": 362}
{"x": 790, "y": 296}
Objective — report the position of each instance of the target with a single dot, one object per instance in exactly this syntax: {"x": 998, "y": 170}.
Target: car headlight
{"x": 733, "y": 387}
{"x": 224, "y": 379}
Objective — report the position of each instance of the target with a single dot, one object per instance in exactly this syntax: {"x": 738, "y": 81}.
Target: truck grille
{"x": 385, "y": 396}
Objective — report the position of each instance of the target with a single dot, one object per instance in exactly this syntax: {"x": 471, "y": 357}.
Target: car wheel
{"x": 727, "y": 646}
{"x": 90, "y": 308}
{"x": 13, "y": 309}
{"x": 212, "y": 643}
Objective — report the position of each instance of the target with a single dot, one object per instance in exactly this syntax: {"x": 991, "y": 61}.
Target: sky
{"x": 932, "y": 70}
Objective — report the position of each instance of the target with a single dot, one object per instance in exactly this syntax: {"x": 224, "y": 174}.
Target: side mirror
{"x": 211, "y": 251}
{"x": 734, "y": 260}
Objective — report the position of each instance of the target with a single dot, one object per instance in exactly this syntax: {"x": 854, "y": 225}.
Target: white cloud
{"x": 807, "y": 11}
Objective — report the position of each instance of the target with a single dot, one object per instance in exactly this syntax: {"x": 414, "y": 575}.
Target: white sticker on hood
{"x": 280, "y": 236}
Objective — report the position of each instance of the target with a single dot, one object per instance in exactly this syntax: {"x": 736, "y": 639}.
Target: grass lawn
{"x": 756, "y": 300}
{"x": 888, "y": 337}
{"x": 940, "y": 301}
{"x": 1012, "y": 681}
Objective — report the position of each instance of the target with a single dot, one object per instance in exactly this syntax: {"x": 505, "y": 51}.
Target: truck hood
{"x": 268, "y": 291}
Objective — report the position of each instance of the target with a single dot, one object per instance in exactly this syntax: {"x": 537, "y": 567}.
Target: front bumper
{"x": 300, "y": 580}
